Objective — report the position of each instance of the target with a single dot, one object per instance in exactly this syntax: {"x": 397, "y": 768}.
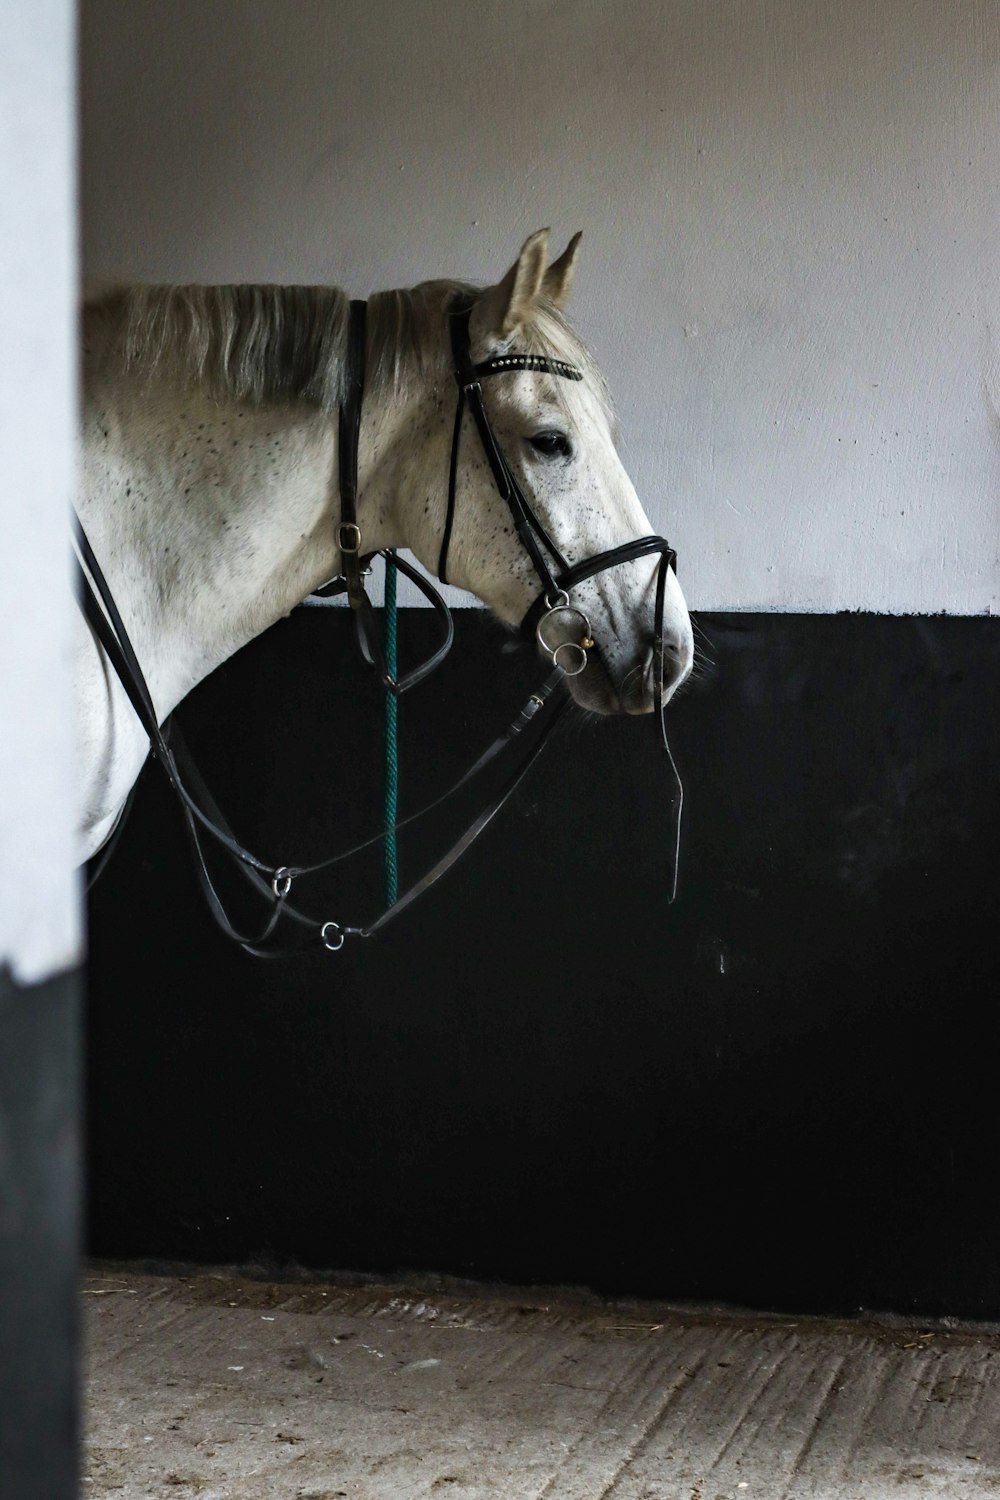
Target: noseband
{"x": 550, "y": 612}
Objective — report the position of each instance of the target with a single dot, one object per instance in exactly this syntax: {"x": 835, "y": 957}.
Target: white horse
{"x": 210, "y": 496}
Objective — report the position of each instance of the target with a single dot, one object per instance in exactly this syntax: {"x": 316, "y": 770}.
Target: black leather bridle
{"x": 533, "y": 536}
{"x": 552, "y": 607}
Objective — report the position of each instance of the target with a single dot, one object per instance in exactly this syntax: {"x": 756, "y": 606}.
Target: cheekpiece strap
{"x": 467, "y": 378}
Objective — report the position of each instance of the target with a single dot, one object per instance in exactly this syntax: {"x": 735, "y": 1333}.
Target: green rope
{"x": 391, "y": 739}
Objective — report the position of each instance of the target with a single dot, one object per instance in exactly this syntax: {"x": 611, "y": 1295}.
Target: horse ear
{"x": 508, "y": 304}
{"x": 559, "y": 277}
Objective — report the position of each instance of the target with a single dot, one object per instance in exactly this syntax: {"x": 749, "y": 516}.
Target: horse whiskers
{"x": 703, "y": 668}
{"x": 639, "y": 670}
{"x": 577, "y": 718}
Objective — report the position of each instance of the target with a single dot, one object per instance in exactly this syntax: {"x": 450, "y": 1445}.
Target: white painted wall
{"x": 39, "y": 897}
{"x": 792, "y": 270}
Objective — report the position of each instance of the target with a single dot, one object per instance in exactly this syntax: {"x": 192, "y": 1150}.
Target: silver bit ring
{"x": 581, "y": 660}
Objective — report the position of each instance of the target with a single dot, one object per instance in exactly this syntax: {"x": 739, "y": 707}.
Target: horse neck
{"x": 214, "y": 519}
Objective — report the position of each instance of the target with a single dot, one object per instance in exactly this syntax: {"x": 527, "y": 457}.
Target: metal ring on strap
{"x": 580, "y": 660}
{"x": 325, "y": 932}
{"x": 574, "y": 653}
{"x": 281, "y": 882}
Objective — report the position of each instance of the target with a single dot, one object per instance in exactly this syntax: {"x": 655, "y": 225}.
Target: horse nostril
{"x": 666, "y": 664}
{"x": 663, "y": 665}
{"x": 638, "y": 685}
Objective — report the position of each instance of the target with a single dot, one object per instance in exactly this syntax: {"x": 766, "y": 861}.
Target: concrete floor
{"x": 229, "y": 1388}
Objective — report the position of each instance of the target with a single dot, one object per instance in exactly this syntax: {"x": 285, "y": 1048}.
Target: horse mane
{"x": 260, "y": 343}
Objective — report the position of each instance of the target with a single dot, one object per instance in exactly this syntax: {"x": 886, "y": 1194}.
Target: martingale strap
{"x": 202, "y": 815}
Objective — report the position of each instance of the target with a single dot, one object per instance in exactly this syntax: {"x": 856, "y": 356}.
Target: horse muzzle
{"x": 563, "y": 631}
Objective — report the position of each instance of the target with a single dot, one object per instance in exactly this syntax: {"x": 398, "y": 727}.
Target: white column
{"x": 40, "y": 926}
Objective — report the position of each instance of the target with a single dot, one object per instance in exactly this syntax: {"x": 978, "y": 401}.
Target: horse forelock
{"x": 549, "y": 333}
{"x": 407, "y": 335}
{"x": 263, "y": 342}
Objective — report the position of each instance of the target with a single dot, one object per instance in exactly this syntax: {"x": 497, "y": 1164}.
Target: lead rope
{"x": 391, "y": 738}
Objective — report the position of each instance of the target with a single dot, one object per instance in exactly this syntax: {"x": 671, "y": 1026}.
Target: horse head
{"x": 557, "y": 441}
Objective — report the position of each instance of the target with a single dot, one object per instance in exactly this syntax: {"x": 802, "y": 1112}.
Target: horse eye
{"x": 552, "y": 444}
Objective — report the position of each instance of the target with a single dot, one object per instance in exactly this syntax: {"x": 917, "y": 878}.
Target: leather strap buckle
{"x": 353, "y": 547}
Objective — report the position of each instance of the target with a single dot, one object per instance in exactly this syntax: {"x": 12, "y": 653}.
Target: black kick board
{"x": 779, "y": 1092}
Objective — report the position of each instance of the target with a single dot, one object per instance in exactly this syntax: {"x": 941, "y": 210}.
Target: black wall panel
{"x": 780, "y": 1091}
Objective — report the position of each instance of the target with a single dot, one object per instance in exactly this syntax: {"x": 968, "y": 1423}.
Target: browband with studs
{"x": 500, "y": 363}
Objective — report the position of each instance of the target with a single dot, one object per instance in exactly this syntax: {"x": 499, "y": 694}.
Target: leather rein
{"x": 201, "y": 814}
